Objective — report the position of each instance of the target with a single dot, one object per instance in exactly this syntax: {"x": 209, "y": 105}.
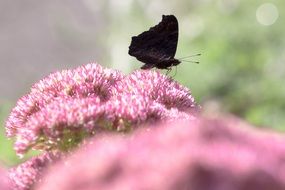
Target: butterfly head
{"x": 175, "y": 62}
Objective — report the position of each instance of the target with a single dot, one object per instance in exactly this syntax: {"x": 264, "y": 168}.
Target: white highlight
{"x": 267, "y": 14}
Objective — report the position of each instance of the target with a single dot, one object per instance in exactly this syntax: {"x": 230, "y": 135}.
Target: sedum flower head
{"x": 158, "y": 88}
{"x": 64, "y": 108}
{"x": 86, "y": 81}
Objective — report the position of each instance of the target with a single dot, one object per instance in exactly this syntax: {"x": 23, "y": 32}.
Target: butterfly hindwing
{"x": 157, "y": 46}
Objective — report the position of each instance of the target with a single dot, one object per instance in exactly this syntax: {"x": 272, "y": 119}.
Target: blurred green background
{"x": 242, "y": 42}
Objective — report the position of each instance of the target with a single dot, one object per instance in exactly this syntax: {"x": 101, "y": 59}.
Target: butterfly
{"x": 157, "y": 46}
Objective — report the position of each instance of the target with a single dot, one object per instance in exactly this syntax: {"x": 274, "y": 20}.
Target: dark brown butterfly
{"x": 157, "y": 46}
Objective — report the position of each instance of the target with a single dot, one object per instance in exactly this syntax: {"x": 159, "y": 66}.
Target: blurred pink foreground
{"x": 207, "y": 154}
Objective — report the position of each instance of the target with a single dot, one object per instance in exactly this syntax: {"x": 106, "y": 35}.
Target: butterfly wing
{"x": 157, "y": 44}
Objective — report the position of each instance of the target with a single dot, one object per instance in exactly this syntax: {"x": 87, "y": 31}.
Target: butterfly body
{"x": 157, "y": 46}
{"x": 163, "y": 63}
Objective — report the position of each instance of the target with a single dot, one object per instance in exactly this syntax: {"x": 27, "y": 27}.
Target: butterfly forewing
{"x": 157, "y": 46}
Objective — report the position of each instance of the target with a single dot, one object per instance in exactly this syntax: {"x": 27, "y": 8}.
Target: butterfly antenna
{"x": 197, "y": 62}
{"x": 198, "y": 54}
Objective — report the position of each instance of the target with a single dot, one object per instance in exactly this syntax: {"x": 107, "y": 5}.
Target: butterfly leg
{"x": 168, "y": 70}
{"x": 175, "y": 72}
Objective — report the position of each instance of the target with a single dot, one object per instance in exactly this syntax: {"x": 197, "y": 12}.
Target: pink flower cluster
{"x": 182, "y": 152}
{"x": 66, "y": 107}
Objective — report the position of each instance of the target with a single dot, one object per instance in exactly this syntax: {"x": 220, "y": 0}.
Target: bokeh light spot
{"x": 267, "y": 14}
